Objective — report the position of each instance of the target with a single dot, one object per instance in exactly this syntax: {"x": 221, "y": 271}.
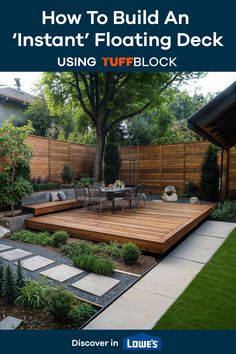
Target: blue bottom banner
{"x": 71, "y": 342}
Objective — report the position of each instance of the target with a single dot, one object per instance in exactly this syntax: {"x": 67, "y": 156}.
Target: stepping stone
{"x": 14, "y": 254}
{"x": 62, "y": 272}
{"x": 96, "y": 284}
{"x": 10, "y": 323}
{"x": 4, "y": 247}
{"x": 36, "y": 262}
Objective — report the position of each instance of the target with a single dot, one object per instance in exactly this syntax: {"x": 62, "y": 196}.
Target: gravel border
{"x": 126, "y": 280}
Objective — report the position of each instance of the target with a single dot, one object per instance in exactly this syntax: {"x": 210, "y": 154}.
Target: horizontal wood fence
{"x": 176, "y": 164}
{"x": 155, "y": 165}
{"x": 50, "y": 156}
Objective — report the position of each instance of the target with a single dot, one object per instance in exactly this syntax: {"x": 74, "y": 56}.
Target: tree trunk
{"x": 97, "y": 173}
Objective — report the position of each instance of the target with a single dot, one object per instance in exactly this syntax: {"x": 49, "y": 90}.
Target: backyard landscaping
{"x": 209, "y": 302}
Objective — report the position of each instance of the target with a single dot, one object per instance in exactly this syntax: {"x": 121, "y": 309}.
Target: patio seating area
{"x": 155, "y": 227}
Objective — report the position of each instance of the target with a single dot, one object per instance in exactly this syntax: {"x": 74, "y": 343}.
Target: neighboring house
{"x": 13, "y": 101}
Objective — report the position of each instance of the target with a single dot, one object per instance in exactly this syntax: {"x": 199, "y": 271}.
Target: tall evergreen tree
{"x": 111, "y": 161}
{"x": 209, "y": 182}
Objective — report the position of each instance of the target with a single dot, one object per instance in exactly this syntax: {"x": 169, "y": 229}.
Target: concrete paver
{"x": 96, "y": 284}
{"x": 14, "y": 254}
{"x": 36, "y": 262}
{"x": 61, "y": 272}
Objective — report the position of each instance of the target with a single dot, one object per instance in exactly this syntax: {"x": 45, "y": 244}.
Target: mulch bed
{"x": 32, "y": 319}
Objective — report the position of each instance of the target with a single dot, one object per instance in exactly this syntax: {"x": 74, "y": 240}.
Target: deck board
{"x": 154, "y": 228}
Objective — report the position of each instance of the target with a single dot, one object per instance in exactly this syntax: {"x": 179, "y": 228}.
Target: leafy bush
{"x": 91, "y": 263}
{"x": 191, "y": 189}
{"x": 85, "y": 182}
{"x": 113, "y": 249}
{"x": 59, "y": 304}
{"x": 225, "y": 212}
{"x": 13, "y": 146}
{"x": 40, "y": 238}
{"x": 130, "y": 253}
{"x": 81, "y": 313}
{"x": 209, "y": 183}
{"x": 9, "y": 288}
{"x": 33, "y": 294}
{"x": 67, "y": 174}
{"x": 22, "y": 170}
{"x": 75, "y": 249}
{"x": 103, "y": 266}
{"x": 59, "y": 238}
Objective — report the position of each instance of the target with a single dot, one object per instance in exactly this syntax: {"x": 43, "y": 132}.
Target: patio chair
{"x": 131, "y": 196}
{"x": 141, "y": 195}
{"x": 97, "y": 198}
{"x": 81, "y": 195}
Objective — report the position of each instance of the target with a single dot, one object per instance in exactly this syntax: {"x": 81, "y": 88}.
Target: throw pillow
{"x": 61, "y": 195}
{"x": 54, "y": 197}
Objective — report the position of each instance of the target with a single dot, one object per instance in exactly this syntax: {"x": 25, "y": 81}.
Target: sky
{"x": 212, "y": 82}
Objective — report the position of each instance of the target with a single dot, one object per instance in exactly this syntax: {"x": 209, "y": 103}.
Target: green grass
{"x": 209, "y": 302}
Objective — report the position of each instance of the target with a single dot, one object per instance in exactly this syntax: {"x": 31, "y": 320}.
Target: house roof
{"x": 216, "y": 121}
{"x": 16, "y": 95}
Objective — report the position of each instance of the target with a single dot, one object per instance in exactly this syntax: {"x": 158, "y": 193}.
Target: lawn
{"x": 209, "y": 302}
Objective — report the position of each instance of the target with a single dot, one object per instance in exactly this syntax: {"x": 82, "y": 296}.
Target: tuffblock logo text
{"x": 142, "y": 341}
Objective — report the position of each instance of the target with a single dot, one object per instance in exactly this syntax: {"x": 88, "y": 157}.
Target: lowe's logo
{"x": 142, "y": 341}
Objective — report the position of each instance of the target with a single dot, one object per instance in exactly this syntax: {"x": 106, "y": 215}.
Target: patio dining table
{"x": 113, "y": 192}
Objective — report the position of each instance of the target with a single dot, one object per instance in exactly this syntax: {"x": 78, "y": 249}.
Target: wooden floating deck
{"x": 154, "y": 228}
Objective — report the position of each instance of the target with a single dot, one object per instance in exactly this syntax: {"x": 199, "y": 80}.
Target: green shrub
{"x": 9, "y": 288}
{"x": 225, "y": 212}
{"x": 85, "y": 182}
{"x": 33, "y": 294}
{"x": 81, "y": 313}
{"x": 209, "y": 183}
{"x": 191, "y": 190}
{"x": 20, "y": 281}
{"x": 40, "y": 238}
{"x": 67, "y": 174}
{"x": 112, "y": 161}
{"x": 113, "y": 249}
{"x": 75, "y": 249}
{"x": 59, "y": 238}
{"x": 59, "y": 303}
{"x": 95, "y": 264}
{"x": 103, "y": 266}
{"x": 38, "y": 187}
{"x": 130, "y": 253}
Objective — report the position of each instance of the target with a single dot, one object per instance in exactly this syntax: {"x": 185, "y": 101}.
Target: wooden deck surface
{"x": 154, "y": 228}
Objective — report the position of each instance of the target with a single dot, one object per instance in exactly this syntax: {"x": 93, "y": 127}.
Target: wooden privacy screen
{"x": 155, "y": 165}
{"x": 160, "y": 165}
{"x": 50, "y": 156}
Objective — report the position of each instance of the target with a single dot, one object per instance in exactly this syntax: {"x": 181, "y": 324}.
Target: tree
{"x": 16, "y": 151}
{"x": 107, "y": 99}
{"x": 209, "y": 183}
{"x": 111, "y": 161}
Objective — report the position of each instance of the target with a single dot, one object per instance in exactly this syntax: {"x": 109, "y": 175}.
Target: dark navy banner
{"x": 72, "y": 342}
{"x": 161, "y": 35}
